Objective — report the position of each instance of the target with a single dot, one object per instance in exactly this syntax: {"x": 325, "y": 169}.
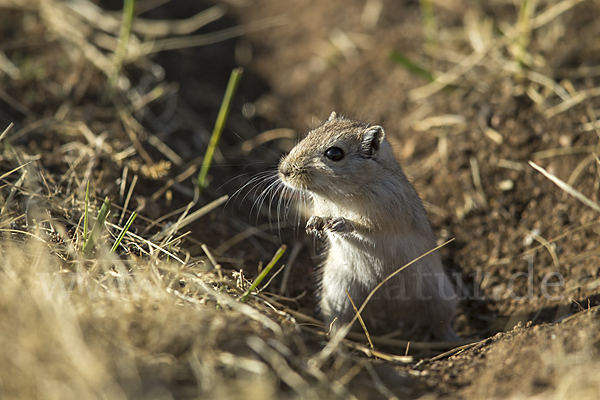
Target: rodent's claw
{"x": 315, "y": 226}
{"x": 318, "y": 225}
{"x": 339, "y": 225}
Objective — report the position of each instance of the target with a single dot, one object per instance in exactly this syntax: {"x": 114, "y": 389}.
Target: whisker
{"x": 235, "y": 194}
{"x": 262, "y": 197}
{"x": 258, "y": 177}
{"x": 259, "y": 181}
{"x": 279, "y": 215}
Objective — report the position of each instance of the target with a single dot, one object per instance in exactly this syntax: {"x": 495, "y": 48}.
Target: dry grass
{"x": 154, "y": 321}
{"x": 143, "y": 325}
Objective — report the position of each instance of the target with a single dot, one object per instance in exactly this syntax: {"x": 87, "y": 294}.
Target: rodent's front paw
{"x": 339, "y": 225}
{"x": 315, "y": 225}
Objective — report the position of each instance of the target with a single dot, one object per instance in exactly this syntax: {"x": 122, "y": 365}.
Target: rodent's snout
{"x": 290, "y": 174}
{"x": 285, "y": 168}
{"x": 293, "y": 172}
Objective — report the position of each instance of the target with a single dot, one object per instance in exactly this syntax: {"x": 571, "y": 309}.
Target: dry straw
{"x": 152, "y": 318}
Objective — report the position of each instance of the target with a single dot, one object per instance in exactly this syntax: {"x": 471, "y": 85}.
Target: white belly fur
{"x": 421, "y": 294}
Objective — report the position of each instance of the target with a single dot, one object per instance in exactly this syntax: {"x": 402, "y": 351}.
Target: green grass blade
{"x": 85, "y": 214}
{"x": 5, "y": 132}
{"x": 429, "y": 25}
{"x": 412, "y": 67}
{"x": 524, "y": 27}
{"x": 97, "y": 228}
{"x": 234, "y": 81}
{"x": 121, "y": 51}
{"x": 124, "y": 231}
{"x": 265, "y": 272}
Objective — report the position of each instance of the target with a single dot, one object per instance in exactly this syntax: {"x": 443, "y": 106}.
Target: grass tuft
{"x": 97, "y": 228}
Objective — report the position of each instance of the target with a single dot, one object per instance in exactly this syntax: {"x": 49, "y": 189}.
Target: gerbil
{"x": 374, "y": 223}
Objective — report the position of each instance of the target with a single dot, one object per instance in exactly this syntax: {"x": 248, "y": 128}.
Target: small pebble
{"x": 506, "y": 185}
{"x": 565, "y": 140}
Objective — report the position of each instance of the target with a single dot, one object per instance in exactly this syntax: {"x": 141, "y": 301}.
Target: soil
{"x": 525, "y": 255}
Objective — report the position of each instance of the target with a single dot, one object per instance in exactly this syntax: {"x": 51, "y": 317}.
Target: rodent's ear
{"x": 372, "y": 139}
{"x": 333, "y": 115}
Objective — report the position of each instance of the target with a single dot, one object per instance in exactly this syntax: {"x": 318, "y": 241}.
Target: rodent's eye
{"x": 334, "y": 153}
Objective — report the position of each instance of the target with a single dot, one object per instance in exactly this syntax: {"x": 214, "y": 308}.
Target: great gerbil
{"x": 374, "y": 223}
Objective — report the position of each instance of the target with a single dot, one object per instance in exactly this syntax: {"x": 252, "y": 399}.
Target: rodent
{"x": 374, "y": 223}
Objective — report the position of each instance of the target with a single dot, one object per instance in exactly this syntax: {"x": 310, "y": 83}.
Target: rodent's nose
{"x": 285, "y": 171}
{"x": 284, "y": 168}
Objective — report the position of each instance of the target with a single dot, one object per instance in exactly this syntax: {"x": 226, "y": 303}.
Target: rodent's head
{"x": 336, "y": 158}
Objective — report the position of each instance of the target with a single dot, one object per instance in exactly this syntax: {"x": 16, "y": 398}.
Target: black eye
{"x": 334, "y": 153}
